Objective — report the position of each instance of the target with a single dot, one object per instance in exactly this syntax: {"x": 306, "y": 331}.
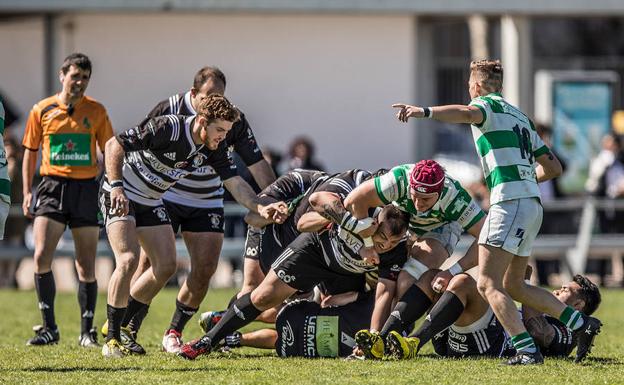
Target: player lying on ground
{"x": 514, "y": 159}
{"x": 141, "y": 164}
{"x": 462, "y": 324}
{"x": 330, "y": 256}
{"x": 440, "y": 209}
{"x": 195, "y": 207}
{"x": 307, "y": 328}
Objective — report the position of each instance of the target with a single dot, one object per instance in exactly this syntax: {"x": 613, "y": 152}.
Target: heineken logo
{"x": 69, "y": 146}
{"x": 70, "y": 149}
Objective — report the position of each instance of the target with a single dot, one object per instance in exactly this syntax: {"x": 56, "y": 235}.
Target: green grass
{"x": 68, "y": 364}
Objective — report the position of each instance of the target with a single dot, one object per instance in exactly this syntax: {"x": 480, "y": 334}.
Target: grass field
{"x": 68, "y": 364}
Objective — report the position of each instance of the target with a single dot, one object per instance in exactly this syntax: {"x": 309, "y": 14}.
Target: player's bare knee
{"x": 515, "y": 288}
{"x": 462, "y": 283}
{"x": 126, "y": 263}
{"x": 164, "y": 270}
{"x": 263, "y": 299}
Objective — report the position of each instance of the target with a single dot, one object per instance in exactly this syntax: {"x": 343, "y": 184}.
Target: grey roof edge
{"x": 399, "y": 7}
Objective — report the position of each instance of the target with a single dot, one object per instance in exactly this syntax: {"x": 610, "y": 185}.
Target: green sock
{"x": 571, "y": 318}
{"x": 523, "y": 342}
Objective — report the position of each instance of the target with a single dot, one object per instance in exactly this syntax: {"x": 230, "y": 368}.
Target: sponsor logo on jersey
{"x": 170, "y": 155}
{"x": 70, "y": 149}
{"x": 199, "y": 159}
{"x": 288, "y": 338}
{"x": 309, "y": 337}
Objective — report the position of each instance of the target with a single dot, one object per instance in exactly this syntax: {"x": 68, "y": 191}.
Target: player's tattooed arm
{"x": 330, "y": 206}
{"x": 548, "y": 167}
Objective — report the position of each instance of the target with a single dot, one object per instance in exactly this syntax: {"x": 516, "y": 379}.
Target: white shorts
{"x": 447, "y": 234}
{"x": 513, "y": 225}
{"x": 4, "y": 213}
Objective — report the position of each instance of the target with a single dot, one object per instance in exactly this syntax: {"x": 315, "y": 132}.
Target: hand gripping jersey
{"x": 5, "y": 186}
{"x": 161, "y": 151}
{"x": 202, "y": 188}
{"x": 454, "y": 205}
{"x": 507, "y": 145}
{"x": 67, "y": 136}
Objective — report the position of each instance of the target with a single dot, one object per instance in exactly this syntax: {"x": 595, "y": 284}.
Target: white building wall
{"x": 330, "y": 77}
{"x": 21, "y": 64}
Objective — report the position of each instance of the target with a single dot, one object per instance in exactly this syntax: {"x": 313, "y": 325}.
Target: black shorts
{"x": 144, "y": 216}
{"x": 73, "y": 202}
{"x": 194, "y": 219}
{"x": 270, "y": 248}
{"x": 302, "y": 266}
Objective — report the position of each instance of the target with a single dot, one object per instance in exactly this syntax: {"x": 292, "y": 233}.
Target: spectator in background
{"x": 606, "y": 180}
{"x": 301, "y": 155}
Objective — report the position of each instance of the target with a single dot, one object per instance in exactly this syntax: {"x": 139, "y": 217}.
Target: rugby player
{"x": 195, "y": 206}
{"x": 462, "y": 324}
{"x": 67, "y": 126}
{"x": 330, "y": 256}
{"x": 142, "y": 163}
{"x": 514, "y": 159}
{"x": 268, "y": 241}
{"x": 440, "y": 209}
{"x": 307, "y": 328}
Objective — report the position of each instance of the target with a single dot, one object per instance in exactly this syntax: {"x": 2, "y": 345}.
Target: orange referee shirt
{"x": 68, "y": 142}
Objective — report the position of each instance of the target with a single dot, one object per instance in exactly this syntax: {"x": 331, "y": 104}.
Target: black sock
{"x": 134, "y": 307}
{"x": 46, "y": 291}
{"x": 87, "y": 297}
{"x": 446, "y": 311}
{"x": 137, "y": 320}
{"x": 181, "y": 316}
{"x": 408, "y": 310}
{"x": 115, "y": 315}
{"x": 241, "y": 313}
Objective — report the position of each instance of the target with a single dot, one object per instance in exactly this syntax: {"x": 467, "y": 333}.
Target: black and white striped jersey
{"x": 160, "y": 151}
{"x": 293, "y": 188}
{"x": 341, "y": 248}
{"x": 203, "y": 188}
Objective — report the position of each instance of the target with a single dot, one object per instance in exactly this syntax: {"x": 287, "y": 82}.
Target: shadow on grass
{"x": 126, "y": 369}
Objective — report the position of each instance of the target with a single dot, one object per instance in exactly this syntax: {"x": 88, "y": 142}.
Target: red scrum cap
{"x": 427, "y": 177}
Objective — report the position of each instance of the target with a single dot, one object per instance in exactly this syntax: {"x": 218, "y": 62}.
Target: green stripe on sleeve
{"x": 541, "y": 151}
{"x": 380, "y": 192}
{"x": 496, "y": 139}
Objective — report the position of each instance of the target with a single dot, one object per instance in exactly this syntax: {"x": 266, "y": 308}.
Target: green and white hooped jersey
{"x": 507, "y": 145}
{"x": 454, "y": 205}
{"x": 5, "y": 186}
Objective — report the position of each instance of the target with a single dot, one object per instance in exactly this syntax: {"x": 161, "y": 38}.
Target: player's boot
{"x": 401, "y": 347}
{"x": 114, "y": 349}
{"x": 44, "y": 336}
{"x": 209, "y": 319}
{"x": 524, "y": 358}
{"x": 128, "y": 340}
{"x": 172, "y": 341}
{"x": 370, "y": 343}
{"x": 191, "y": 350}
{"x": 89, "y": 340}
{"x": 104, "y": 329}
{"x": 586, "y": 335}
